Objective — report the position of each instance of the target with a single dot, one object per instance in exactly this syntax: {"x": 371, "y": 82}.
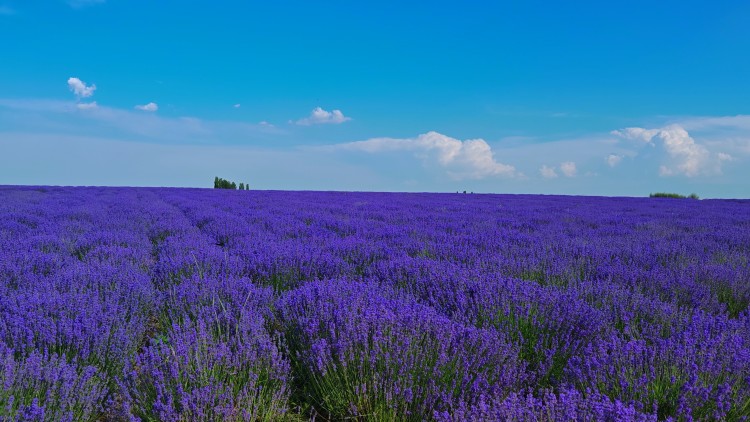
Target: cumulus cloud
{"x": 568, "y": 168}
{"x": 636, "y": 133}
{"x": 80, "y": 89}
{"x": 469, "y": 159}
{"x": 613, "y": 159}
{"x": 147, "y": 107}
{"x": 686, "y": 156}
{"x": 548, "y": 172}
{"x": 87, "y": 106}
{"x": 237, "y": 105}
{"x": 691, "y": 158}
{"x": 319, "y": 116}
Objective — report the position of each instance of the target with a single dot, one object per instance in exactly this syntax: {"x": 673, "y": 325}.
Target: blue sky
{"x": 578, "y": 97}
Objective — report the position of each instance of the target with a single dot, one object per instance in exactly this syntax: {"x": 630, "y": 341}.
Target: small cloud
{"x": 320, "y": 116}
{"x": 636, "y": 133}
{"x": 265, "y": 124}
{"x": 237, "y": 105}
{"x": 147, "y": 107}
{"x": 723, "y": 156}
{"x": 548, "y": 172}
{"x": 87, "y": 106}
{"x": 613, "y": 159}
{"x": 80, "y": 89}
{"x": 665, "y": 171}
{"x": 5, "y": 10}
{"x": 568, "y": 168}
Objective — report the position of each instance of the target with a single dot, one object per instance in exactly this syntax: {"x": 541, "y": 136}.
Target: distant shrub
{"x": 220, "y": 183}
{"x": 672, "y": 195}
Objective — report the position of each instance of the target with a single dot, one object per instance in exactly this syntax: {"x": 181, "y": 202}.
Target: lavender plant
{"x": 359, "y": 352}
{"x": 548, "y": 406}
{"x": 215, "y": 366}
{"x": 46, "y": 387}
{"x": 185, "y": 304}
{"x": 688, "y": 375}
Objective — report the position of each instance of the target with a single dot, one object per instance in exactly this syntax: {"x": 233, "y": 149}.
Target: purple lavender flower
{"x": 452, "y": 307}
{"x": 361, "y": 346}
{"x": 42, "y": 387}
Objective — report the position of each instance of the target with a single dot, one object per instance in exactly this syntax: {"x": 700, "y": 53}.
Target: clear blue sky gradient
{"x": 541, "y": 84}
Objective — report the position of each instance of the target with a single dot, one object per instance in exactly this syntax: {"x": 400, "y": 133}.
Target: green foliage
{"x": 527, "y": 328}
{"x": 672, "y": 195}
{"x": 355, "y": 384}
{"x": 735, "y": 301}
{"x": 220, "y": 183}
{"x": 65, "y": 390}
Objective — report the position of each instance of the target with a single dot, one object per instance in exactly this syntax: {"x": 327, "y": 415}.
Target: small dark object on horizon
{"x": 672, "y": 195}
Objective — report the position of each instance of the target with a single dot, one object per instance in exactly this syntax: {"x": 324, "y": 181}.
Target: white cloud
{"x": 320, "y": 116}
{"x": 723, "y": 156}
{"x": 237, "y": 105}
{"x": 691, "y": 158}
{"x": 80, "y": 89}
{"x": 665, "y": 171}
{"x": 613, "y": 159}
{"x": 636, "y": 133}
{"x": 469, "y": 159}
{"x": 725, "y": 134}
{"x": 548, "y": 172}
{"x": 739, "y": 122}
{"x": 686, "y": 156}
{"x": 737, "y": 145}
{"x": 568, "y": 168}
{"x": 34, "y": 115}
{"x": 147, "y": 107}
{"x": 87, "y": 106}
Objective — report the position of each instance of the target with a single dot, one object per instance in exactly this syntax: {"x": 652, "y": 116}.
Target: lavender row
{"x": 188, "y": 304}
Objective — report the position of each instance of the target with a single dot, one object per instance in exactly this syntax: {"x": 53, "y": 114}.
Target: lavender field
{"x": 196, "y": 304}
